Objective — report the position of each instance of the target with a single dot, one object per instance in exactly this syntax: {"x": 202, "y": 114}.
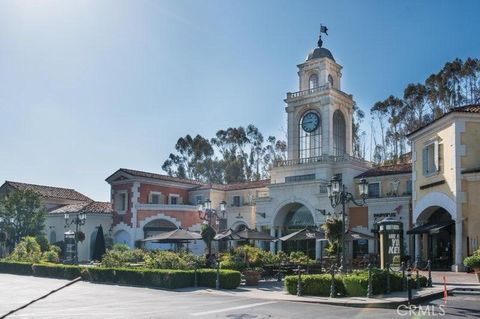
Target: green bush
{"x": 315, "y": 285}
{"x": 27, "y": 250}
{"x": 57, "y": 271}
{"x": 121, "y": 256}
{"x": 17, "y": 268}
{"x": 100, "y": 274}
{"x": 166, "y": 278}
{"x": 229, "y": 279}
{"x": 162, "y": 259}
{"x": 473, "y": 261}
{"x": 129, "y": 276}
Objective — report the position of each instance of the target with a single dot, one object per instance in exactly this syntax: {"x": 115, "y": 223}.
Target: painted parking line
{"x": 232, "y": 308}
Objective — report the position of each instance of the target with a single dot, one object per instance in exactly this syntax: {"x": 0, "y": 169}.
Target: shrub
{"x": 170, "y": 279}
{"x": 162, "y": 259}
{"x": 43, "y": 242}
{"x": 27, "y": 250}
{"x": 121, "y": 256}
{"x": 229, "y": 279}
{"x": 52, "y": 255}
{"x": 473, "y": 261}
{"x": 17, "y": 268}
{"x": 57, "y": 271}
{"x": 315, "y": 285}
{"x": 129, "y": 276}
{"x": 99, "y": 274}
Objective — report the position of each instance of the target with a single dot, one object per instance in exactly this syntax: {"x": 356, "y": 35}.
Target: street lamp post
{"x": 78, "y": 220}
{"x": 210, "y": 215}
{"x": 337, "y": 193}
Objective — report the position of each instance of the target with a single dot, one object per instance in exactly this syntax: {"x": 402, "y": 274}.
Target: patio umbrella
{"x": 228, "y": 234}
{"x": 351, "y": 235}
{"x": 303, "y": 234}
{"x": 253, "y": 234}
{"x": 174, "y": 236}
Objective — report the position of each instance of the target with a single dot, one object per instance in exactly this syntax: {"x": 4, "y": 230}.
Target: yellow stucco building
{"x": 446, "y": 188}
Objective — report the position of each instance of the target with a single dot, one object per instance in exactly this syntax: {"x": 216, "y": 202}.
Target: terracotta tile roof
{"x": 51, "y": 192}
{"x": 157, "y": 176}
{"x": 237, "y": 186}
{"x": 471, "y": 108}
{"x": 387, "y": 170}
{"x": 91, "y": 207}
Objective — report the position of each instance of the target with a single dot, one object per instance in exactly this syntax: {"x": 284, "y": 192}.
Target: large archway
{"x": 291, "y": 218}
{"x": 435, "y": 237}
{"x": 156, "y": 227}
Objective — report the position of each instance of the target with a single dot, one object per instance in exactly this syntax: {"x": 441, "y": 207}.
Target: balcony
{"x": 293, "y": 95}
{"x": 174, "y": 207}
{"x": 323, "y": 159}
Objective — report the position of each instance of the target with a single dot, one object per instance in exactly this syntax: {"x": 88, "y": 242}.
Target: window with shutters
{"x": 154, "y": 197}
{"x": 121, "y": 202}
{"x": 236, "y": 201}
{"x": 430, "y": 159}
{"x": 374, "y": 190}
{"x": 174, "y": 199}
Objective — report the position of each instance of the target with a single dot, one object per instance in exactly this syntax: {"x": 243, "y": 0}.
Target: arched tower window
{"x": 310, "y": 135}
{"x": 313, "y": 81}
{"x": 339, "y": 134}
{"x": 330, "y": 80}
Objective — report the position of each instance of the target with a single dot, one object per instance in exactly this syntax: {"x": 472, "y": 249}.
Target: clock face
{"x": 310, "y": 122}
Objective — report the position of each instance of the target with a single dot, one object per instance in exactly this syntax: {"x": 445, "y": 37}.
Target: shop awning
{"x": 429, "y": 228}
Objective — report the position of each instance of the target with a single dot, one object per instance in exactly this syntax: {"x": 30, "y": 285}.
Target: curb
{"x": 41, "y": 297}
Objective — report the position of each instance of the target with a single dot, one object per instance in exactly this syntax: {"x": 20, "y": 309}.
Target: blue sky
{"x": 87, "y": 87}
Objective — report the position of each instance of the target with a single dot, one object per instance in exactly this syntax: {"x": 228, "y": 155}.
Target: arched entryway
{"x": 156, "y": 227}
{"x": 291, "y": 218}
{"x": 435, "y": 237}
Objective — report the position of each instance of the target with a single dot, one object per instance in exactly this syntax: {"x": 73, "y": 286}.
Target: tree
{"x": 333, "y": 233}
{"x": 21, "y": 214}
{"x": 99, "y": 248}
{"x": 208, "y": 233}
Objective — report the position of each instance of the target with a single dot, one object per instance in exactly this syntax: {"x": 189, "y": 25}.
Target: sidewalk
{"x": 273, "y": 290}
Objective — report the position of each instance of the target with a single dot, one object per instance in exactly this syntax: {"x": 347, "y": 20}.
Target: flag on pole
{"x": 323, "y": 29}
{"x": 445, "y": 291}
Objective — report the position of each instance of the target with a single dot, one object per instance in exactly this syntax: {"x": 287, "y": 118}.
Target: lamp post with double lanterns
{"x": 78, "y": 220}
{"x": 209, "y": 215}
{"x": 337, "y": 194}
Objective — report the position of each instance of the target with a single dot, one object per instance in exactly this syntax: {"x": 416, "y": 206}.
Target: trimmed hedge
{"x": 160, "y": 278}
{"x": 57, "y": 271}
{"x": 315, "y": 285}
{"x": 355, "y": 284}
{"x": 229, "y": 279}
{"x": 16, "y": 268}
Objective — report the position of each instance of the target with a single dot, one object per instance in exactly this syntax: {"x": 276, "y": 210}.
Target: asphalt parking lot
{"x": 87, "y": 300}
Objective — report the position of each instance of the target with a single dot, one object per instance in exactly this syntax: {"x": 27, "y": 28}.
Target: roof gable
{"x": 49, "y": 191}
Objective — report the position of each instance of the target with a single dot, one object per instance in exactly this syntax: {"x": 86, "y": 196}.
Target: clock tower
{"x": 320, "y": 113}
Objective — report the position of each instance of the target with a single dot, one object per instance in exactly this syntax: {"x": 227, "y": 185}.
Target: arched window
{"x": 313, "y": 81}
{"x": 330, "y": 80}
{"x": 339, "y": 134}
{"x": 309, "y": 143}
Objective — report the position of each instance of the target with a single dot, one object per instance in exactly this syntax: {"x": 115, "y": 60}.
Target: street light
{"x": 208, "y": 215}
{"x": 337, "y": 193}
{"x": 78, "y": 220}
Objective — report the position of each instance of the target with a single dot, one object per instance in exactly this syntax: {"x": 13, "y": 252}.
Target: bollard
{"x": 369, "y": 288}
{"x": 299, "y": 282}
{"x": 403, "y": 276}
{"x": 195, "y": 273}
{"x": 429, "y": 266}
{"x": 409, "y": 285}
{"x": 332, "y": 285}
{"x": 217, "y": 282}
{"x": 388, "y": 278}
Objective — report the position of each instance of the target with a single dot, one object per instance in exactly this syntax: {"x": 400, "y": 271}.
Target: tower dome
{"x": 319, "y": 53}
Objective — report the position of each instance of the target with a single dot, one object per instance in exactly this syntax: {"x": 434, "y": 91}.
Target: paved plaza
{"x": 84, "y": 299}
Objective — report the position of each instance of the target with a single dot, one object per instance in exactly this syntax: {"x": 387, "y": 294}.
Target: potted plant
{"x": 252, "y": 276}
{"x": 474, "y": 263}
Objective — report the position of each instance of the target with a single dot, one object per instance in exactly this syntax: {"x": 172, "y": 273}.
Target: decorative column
{"x": 458, "y": 266}
{"x": 279, "y": 243}
{"x": 272, "y": 244}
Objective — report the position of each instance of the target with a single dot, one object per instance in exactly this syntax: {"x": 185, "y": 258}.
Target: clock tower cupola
{"x": 320, "y": 113}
